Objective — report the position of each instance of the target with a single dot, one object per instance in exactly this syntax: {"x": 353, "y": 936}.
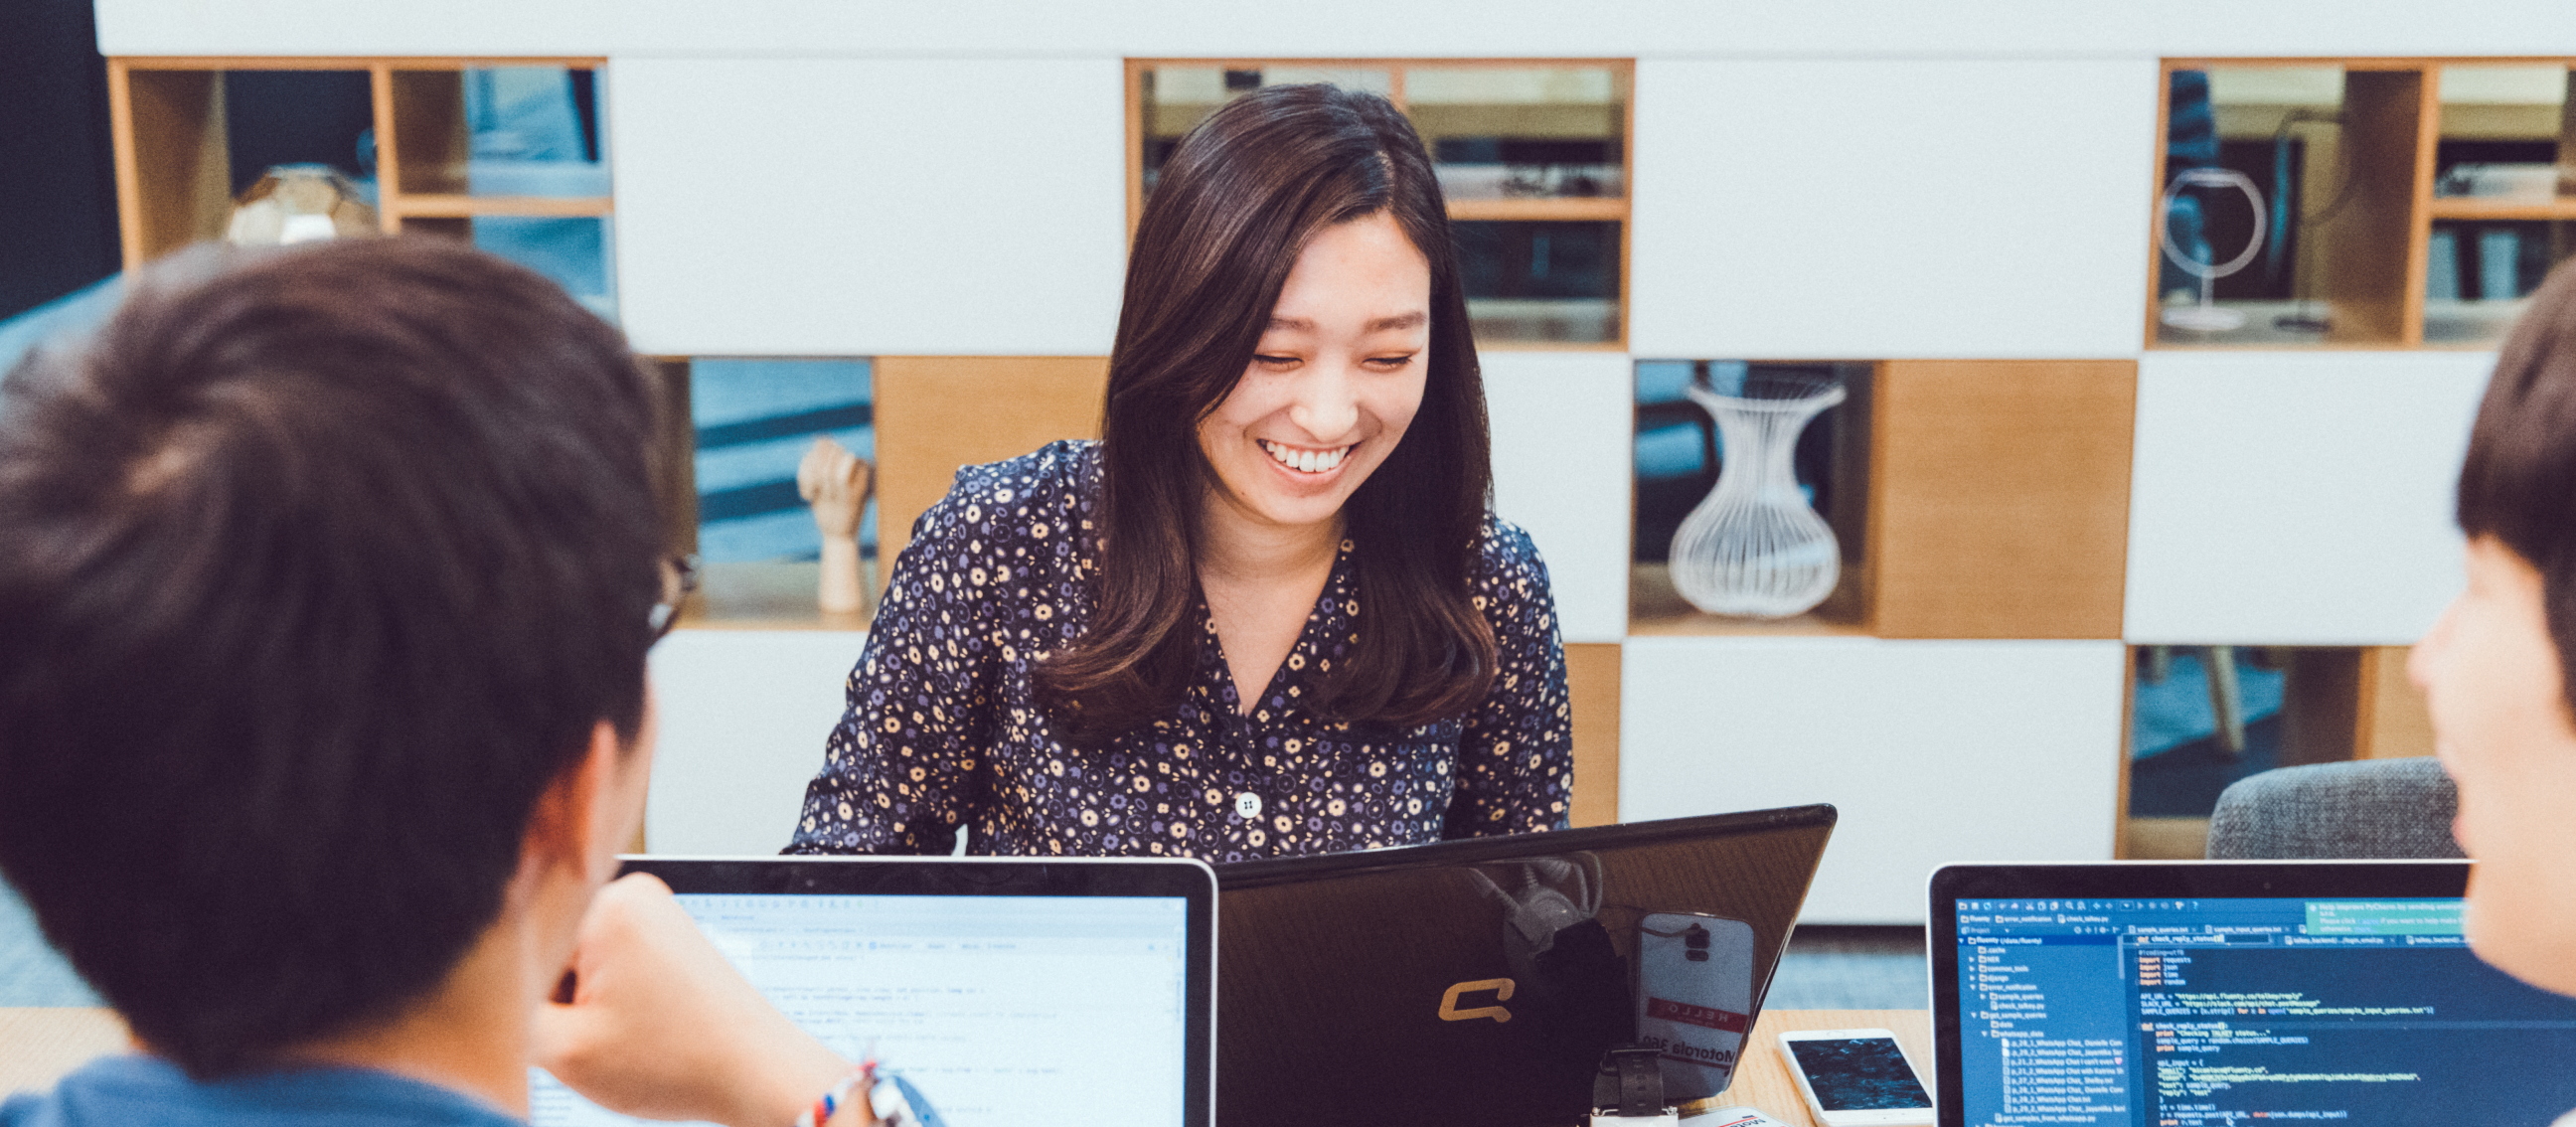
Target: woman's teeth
{"x": 1304, "y": 461}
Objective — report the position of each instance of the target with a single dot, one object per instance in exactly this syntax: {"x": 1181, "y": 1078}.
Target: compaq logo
{"x": 1502, "y": 988}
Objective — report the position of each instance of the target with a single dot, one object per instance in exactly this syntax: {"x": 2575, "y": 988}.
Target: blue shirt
{"x": 143, "y": 1091}
{"x": 943, "y": 728}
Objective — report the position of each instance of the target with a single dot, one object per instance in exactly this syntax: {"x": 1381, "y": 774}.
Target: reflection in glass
{"x": 573, "y": 252}
{"x": 1540, "y": 281}
{"x": 2255, "y": 164}
{"x": 501, "y": 131}
{"x": 1521, "y": 132}
{"x": 286, "y": 117}
{"x": 754, "y": 420}
{"x": 2502, "y": 144}
{"x": 1532, "y": 161}
{"x": 1176, "y": 98}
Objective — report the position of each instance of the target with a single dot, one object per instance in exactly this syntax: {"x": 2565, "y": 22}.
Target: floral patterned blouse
{"x": 942, "y": 729}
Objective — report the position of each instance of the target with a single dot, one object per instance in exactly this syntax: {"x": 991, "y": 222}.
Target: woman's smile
{"x": 1306, "y": 461}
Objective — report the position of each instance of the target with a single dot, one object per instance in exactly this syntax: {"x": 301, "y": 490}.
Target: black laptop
{"x": 2232, "y": 994}
{"x": 1480, "y": 981}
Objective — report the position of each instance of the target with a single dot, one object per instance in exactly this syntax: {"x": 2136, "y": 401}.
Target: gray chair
{"x": 2372, "y": 808}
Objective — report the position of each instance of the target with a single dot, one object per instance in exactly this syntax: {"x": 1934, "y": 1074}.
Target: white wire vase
{"x": 1753, "y": 548}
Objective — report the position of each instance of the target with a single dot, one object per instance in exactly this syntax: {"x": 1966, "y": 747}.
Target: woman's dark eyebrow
{"x": 1382, "y": 324}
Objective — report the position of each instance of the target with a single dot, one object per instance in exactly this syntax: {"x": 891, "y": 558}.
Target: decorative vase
{"x": 1754, "y": 548}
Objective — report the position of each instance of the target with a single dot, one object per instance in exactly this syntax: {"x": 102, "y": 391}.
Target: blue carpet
{"x": 2177, "y": 711}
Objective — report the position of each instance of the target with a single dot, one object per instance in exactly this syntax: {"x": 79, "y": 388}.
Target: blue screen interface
{"x": 2201, "y": 1013}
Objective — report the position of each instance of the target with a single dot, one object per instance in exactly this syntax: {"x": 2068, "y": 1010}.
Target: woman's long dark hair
{"x": 1238, "y": 201}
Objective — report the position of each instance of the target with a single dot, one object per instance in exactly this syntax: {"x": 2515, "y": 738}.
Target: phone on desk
{"x": 1856, "y": 1078}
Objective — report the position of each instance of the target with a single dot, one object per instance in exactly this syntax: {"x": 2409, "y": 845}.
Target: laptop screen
{"x": 992, "y": 1009}
{"x": 2199, "y": 1010}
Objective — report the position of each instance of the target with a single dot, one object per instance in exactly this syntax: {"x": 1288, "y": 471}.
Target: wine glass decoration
{"x": 2206, "y": 316}
{"x": 1753, "y": 548}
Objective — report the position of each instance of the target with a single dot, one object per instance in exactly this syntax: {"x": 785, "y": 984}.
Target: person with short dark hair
{"x": 1269, "y": 612}
{"x": 326, "y": 589}
{"x": 2499, "y": 669}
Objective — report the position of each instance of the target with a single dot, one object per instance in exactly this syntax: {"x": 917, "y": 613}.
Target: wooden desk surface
{"x": 37, "y": 1046}
{"x": 1762, "y": 1080}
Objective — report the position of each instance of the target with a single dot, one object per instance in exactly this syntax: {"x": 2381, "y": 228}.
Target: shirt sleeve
{"x": 899, "y": 770}
{"x": 1516, "y": 749}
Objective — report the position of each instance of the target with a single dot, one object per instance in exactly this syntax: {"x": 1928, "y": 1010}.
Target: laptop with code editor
{"x": 2226, "y": 994}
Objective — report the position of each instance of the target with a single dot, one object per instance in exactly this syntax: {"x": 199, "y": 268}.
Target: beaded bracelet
{"x": 861, "y": 1081}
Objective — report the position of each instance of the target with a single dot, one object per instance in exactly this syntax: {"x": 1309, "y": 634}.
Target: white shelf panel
{"x": 770, "y": 207}
{"x": 1841, "y": 209}
{"x": 2297, "y": 498}
{"x": 744, "y": 714}
{"x": 1562, "y": 428}
{"x": 1933, "y": 752}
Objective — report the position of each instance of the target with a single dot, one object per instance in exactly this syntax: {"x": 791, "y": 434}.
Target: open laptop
{"x": 1000, "y": 991}
{"x": 2200, "y": 994}
{"x": 1480, "y": 981}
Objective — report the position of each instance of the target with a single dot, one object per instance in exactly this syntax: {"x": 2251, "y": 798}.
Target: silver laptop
{"x": 2210, "y": 993}
{"x": 998, "y": 991}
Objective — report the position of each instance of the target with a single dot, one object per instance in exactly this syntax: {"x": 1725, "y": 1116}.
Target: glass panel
{"x": 1680, "y": 451}
{"x": 2478, "y": 276}
{"x": 501, "y": 131}
{"x": 573, "y": 252}
{"x": 300, "y": 117}
{"x": 1177, "y": 98}
{"x": 1522, "y": 132}
{"x": 754, "y": 421}
{"x": 2255, "y": 182}
{"x": 2192, "y": 734}
{"x": 1535, "y": 281}
{"x": 2501, "y": 143}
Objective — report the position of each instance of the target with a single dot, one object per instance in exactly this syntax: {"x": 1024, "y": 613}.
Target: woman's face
{"x": 2502, "y": 728}
{"x": 1334, "y": 382}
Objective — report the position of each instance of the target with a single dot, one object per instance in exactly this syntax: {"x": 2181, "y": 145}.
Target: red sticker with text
{"x": 1701, "y": 1016}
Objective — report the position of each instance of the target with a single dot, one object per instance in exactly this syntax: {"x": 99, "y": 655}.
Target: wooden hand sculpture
{"x": 836, "y": 484}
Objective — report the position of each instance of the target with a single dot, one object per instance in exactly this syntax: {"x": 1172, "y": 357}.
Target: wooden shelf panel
{"x": 1592, "y": 683}
{"x": 2000, "y": 497}
{"x": 2472, "y": 207}
{"x": 1567, "y": 209}
{"x": 935, "y": 414}
{"x": 464, "y": 207}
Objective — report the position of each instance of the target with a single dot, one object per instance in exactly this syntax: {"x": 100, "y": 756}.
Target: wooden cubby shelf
{"x": 172, "y": 142}
{"x": 1975, "y": 499}
{"x": 2373, "y": 238}
{"x": 2337, "y": 703}
{"x": 1532, "y": 154}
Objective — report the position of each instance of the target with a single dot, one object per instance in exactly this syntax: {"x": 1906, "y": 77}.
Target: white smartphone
{"x": 1856, "y": 1078}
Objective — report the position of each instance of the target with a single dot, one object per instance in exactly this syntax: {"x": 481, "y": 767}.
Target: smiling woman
{"x": 1268, "y": 613}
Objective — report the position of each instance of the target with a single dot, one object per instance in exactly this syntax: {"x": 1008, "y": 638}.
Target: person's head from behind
{"x": 2499, "y": 669}
{"x": 1293, "y": 356}
{"x": 329, "y": 579}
